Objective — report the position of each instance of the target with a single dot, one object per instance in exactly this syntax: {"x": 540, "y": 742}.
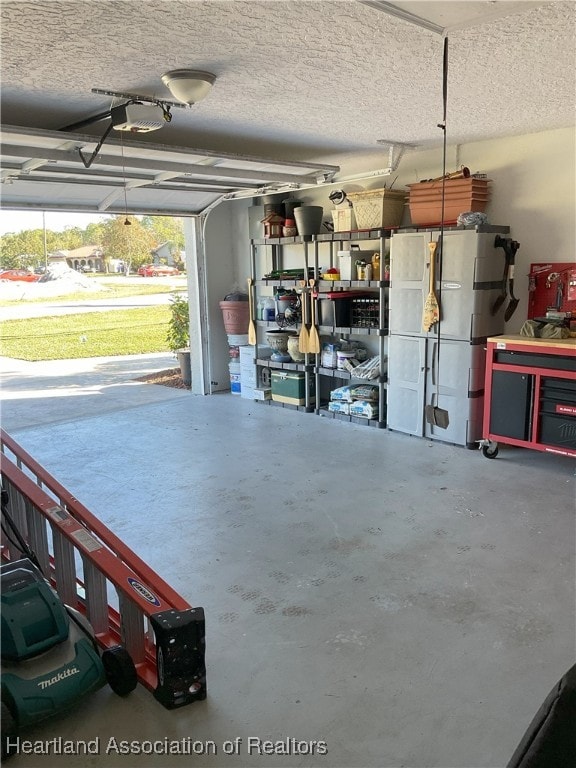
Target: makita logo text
{"x": 58, "y": 678}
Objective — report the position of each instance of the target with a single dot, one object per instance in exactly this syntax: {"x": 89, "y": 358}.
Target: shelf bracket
{"x": 395, "y": 151}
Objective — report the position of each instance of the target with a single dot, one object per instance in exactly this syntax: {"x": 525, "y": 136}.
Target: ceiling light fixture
{"x": 188, "y": 85}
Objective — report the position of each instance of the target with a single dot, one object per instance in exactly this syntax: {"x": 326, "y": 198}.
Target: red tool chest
{"x": 530, "y": 394}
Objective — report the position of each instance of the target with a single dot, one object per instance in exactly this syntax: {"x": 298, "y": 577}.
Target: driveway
{"x": 59, "y": 391}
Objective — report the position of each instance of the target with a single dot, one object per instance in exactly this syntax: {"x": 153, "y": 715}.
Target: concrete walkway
{"x": 48, "y": 392}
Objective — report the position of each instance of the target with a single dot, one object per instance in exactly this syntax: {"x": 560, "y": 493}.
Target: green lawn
{"x": 89, "y": 334}
{"x": 116, "y": 291}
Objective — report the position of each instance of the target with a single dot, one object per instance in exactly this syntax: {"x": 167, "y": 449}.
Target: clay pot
{"x": 236, "y": 316}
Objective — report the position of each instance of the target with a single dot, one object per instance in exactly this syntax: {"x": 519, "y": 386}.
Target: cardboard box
{"x": 344, "y": 219}
{"x": 329, "y": 357}
{"x": 248, "y": 377}
{"x": 246, "y": 353}
{"x": 262, "y": 393}
{"x": 347, "y": 262}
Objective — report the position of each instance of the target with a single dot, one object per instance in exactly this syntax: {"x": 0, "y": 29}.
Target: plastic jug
{"x": 269, "y": 309}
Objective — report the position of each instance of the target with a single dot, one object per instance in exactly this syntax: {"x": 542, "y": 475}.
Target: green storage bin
{"x": 290, "y": 387}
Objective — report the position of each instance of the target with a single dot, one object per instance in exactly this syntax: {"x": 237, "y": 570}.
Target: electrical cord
{"x": 18, "y": 541}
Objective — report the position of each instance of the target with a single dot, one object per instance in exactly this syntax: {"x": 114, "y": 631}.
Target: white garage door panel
{"x": 44, "y": 169}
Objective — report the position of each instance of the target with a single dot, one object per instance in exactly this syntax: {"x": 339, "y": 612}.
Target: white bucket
{"x": 237, "y": 339}
{"x": 341, "y": 356}
{"x": 234, "y": 366}
{"x": 235, "y": 387}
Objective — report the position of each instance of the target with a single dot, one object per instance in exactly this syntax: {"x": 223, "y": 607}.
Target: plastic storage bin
{"x": 335, "y": 307}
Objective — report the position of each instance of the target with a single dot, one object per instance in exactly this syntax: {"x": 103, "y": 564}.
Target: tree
{"x": 70, "y": 238}
{"x": 130, "y": 242}
{"x": 22, "y": 249}
{"x": 167, "y": 229}
{"x": 93, "y": 234}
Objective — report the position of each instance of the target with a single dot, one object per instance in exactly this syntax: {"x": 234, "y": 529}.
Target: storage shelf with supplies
{"x": 359, "y": 323}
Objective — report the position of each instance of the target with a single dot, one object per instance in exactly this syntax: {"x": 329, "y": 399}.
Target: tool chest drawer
{"x": 558, "y": 397}
{"x": 565, "y": 387}
{"x": 536, "y": 360}
{"x": 556, "y": 429}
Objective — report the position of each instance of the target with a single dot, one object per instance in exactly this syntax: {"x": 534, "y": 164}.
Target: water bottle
{"x": 260, "y": 309}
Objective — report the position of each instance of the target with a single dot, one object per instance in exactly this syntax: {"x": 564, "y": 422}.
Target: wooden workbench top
{"x": 515, "y": 338}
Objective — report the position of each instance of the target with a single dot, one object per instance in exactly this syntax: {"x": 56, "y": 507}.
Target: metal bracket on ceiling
{"x": 395, "y": 151}
{"x": 325, "y": 177}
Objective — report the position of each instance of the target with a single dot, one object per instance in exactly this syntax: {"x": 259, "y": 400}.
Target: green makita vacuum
{"x": 50, "y": 659}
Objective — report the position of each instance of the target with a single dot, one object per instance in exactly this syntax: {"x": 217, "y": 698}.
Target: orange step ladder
{"x": 92, "y": 570}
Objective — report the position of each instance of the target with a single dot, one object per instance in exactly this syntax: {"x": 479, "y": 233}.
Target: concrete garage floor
{"x": 409, "y": 603}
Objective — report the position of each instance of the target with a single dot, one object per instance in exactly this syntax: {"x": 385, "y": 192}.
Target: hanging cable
{"x": 434, "y": 414}
{"x": 126, "y": 220}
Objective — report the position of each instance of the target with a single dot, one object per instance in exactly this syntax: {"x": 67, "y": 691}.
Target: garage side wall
{"x": 227, "y": 268}
{"x": 533, "y": 187}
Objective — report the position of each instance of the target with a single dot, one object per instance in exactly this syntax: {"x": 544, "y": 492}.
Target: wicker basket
{"x": 378, "y": 208}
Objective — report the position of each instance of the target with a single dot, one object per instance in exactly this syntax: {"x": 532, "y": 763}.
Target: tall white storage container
{"x": 472, "y": 269}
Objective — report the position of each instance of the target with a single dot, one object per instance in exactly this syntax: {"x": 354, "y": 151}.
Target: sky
{"x": 17, "y": 221}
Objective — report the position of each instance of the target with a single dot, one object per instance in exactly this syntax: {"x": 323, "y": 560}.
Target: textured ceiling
{"x": 297, "y": 80}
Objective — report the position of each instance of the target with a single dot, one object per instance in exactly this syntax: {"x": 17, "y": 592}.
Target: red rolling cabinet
{"x": 530, "y": 394}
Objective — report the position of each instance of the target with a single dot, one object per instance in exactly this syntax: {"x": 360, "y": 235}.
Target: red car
{"x": 157, "y": 270}
{"x": 19, "y": 274}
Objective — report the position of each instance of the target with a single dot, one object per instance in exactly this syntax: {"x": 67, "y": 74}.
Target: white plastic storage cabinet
{"x": 468, "y": 285}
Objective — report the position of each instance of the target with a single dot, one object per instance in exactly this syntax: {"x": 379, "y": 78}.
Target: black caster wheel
{"x": 490, "y": 451}
{"x": 120, "y": 670}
